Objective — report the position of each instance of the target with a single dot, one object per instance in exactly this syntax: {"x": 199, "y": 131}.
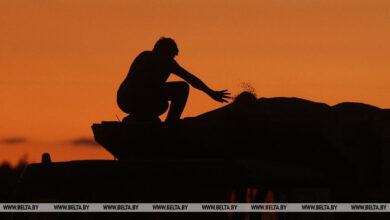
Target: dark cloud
{"x": 84, "y": 142}
{"x": 13, "y": 140}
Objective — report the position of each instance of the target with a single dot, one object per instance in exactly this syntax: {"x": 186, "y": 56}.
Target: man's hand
{"x": 220, "y": 96}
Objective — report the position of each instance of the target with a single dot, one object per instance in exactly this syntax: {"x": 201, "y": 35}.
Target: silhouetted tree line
{"x": 9, "y": 177}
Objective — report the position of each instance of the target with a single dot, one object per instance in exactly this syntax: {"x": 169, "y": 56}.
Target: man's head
{"x": 166, "y": 47}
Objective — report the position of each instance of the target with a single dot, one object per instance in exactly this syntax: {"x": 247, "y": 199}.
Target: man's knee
{"x": 184, "y": 87}
{"x": 177, "y": 90}
{"x": 179, "y": 87}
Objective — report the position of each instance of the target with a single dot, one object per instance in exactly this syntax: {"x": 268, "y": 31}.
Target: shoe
{"x": 139, "y": 120}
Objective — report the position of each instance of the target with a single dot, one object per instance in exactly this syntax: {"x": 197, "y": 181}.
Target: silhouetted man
{"x": 144, "y": 94}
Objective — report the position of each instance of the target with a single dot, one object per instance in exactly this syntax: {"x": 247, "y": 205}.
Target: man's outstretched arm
{"x": 220, "y": 96}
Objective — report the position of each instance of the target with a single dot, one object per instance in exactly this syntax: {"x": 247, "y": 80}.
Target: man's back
{"x": 148, "y": 71}
{"x": 144, "y": 81}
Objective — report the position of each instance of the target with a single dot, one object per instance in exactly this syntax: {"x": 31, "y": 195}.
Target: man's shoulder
{"x": 145, "y": 53}
{"x": 144, "y": 56}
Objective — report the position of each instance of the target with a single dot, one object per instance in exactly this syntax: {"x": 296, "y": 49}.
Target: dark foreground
{"x": 282, "y": 150}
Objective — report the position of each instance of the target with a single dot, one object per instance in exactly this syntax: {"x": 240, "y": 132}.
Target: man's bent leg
{"x": 177, "y": 93}
{"x": 146, "y": 106}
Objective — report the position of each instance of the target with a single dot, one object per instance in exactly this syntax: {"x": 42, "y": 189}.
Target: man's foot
{"x": 134, "y": 119}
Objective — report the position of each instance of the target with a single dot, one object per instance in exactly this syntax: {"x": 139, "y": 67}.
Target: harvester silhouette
{"x": 299, "y": 150}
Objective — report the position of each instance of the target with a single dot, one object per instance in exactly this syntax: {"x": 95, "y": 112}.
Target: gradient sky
{"x": 61, "y": 61}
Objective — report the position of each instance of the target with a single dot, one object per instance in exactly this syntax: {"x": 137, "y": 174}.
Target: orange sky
{"x": 61, "y": 61}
